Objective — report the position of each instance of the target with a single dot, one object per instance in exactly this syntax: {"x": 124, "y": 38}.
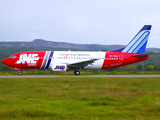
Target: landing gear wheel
{"x": 76, "y": 72}
{"x": 20, "y": 73}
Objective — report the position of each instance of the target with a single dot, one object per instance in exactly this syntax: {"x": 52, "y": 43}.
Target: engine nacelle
{"x": 59, "y": 67}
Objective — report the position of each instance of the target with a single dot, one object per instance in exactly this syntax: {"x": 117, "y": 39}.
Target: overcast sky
{"x": 79, "y": 21}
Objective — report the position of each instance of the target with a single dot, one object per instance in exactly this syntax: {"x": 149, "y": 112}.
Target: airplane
{"x": 61, "y": 61}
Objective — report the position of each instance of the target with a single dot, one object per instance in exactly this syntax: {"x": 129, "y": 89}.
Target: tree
{"x": 150, "y": 67}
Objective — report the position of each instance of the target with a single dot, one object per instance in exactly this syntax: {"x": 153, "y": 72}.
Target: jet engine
{"x": 59, "y": 67}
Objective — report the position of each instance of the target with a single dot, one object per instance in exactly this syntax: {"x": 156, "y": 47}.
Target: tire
{"x": 20, "y": 73}
{"x": 76, "y": 72}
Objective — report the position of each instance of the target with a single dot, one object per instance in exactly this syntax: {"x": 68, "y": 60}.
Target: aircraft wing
{"x": 144, "y": 54}
{"x": 81, "y": 64}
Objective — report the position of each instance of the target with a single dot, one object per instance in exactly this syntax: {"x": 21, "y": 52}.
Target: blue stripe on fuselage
{"x": 49, "y": 60}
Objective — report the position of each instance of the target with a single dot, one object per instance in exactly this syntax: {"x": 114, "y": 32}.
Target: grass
{"x": 83, "y": 72}
{"x": 80, "y": 98}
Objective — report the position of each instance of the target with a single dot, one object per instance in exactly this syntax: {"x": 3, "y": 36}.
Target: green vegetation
{"x": 83, "y": 72}
{"x": 79, "y": 98}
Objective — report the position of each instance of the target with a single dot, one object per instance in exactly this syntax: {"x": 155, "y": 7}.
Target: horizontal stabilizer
{"x": 144, "y": 54}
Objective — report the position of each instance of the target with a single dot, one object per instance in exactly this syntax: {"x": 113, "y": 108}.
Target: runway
{"x": 49, "y": 76}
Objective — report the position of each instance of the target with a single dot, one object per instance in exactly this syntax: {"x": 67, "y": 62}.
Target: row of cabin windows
{"x": 76, "y": 58}
{"x": 85, "y": 58}
{"x": 112, "y": 58}
{"x": 68, "y": 58}
{"x": 79, "y": 58}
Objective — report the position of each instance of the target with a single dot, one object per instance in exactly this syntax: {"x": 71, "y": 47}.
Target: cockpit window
{"x": 13, "y": 56}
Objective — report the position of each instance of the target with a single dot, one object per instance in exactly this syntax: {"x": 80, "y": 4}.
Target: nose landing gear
{"x": 20, "y": 73}
{"x": 19, "y": 69}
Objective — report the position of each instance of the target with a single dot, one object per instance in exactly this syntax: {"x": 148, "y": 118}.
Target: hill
{"x": 52, "y": 44}
{"x": 62, "y": 45}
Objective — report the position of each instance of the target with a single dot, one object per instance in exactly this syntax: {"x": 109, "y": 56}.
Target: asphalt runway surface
{"x": 47, "y": 76}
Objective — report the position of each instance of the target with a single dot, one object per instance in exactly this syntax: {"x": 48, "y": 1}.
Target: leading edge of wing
{"x": 81, "y": 64}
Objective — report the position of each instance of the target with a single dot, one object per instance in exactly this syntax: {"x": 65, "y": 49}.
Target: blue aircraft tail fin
{"x": 138, "y": 43}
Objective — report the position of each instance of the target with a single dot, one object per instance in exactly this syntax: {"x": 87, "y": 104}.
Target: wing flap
{"x": 81, "y": 64}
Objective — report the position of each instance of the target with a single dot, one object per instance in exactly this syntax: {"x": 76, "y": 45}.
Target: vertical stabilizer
{"x": 138, "y": 43}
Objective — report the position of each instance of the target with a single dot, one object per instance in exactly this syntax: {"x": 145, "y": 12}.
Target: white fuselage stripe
{"x": 69, "y": 57}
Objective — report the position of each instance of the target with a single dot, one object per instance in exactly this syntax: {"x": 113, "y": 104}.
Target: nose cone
{"x": 4, "y": 61}
{"x": 9, "y": 62}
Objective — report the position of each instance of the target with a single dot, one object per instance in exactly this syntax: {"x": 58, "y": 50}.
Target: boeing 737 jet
{"x": 60, "y": 61}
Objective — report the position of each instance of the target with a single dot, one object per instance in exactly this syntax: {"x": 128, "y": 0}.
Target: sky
{"x": 103, "y": 22}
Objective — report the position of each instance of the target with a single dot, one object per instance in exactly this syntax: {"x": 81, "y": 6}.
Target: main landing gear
{"x": 77, "y": 72}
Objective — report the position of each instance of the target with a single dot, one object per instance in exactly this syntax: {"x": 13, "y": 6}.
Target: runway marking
{"x": 43, "y": 76}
